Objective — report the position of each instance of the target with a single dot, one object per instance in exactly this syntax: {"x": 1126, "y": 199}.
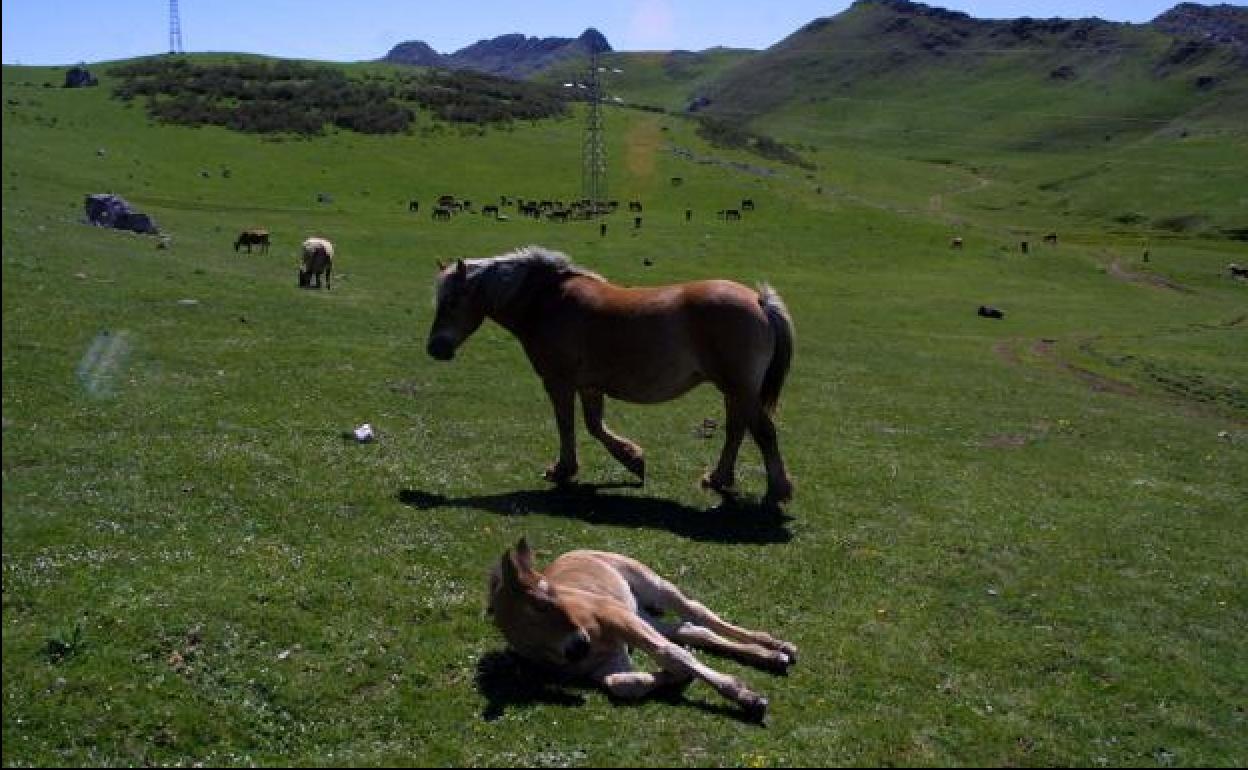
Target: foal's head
{"x": 460, "y": 311}
{"x": 530, "y": 612}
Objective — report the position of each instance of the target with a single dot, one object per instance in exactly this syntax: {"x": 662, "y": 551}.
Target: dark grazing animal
{"x": 988, "y": 311}
{"x": 585, "y": 336}
{"x": 582, "y": 614}
{"x": 249, "y": 238}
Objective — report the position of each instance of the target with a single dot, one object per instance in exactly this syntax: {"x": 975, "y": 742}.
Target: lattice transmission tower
{"x": 175, "y": 28}
{"x": 594, "y": 151}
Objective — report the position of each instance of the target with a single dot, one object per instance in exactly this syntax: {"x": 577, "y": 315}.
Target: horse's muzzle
{"x": 441, "y": 348}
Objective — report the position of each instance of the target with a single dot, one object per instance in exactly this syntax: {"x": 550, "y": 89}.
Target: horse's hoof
{"x": 778, "y": 494}
{"x": 637, "y": 467}
{"x": 709, "y": 481}
{"x": 559, "y": 475}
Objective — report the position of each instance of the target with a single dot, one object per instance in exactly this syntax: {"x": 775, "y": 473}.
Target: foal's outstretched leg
{"x": 563, "y": 399}
{"x": 622, "y": 681}
{"x": 703, "y": 628}
{"x": 628, "y": 453}
{"x": 680, "y": 663}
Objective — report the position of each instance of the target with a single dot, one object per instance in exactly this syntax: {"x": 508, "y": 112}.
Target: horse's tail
{"x": 782, "y": 328}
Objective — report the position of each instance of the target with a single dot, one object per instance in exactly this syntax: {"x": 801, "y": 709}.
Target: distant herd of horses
{"x": 318, "y": 253}
{"x": 1023, "y": 246}
{"x": 555, "y": 210}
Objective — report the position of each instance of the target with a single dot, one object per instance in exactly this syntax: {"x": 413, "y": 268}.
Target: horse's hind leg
{"x": 779, "y": 486}
{"x": 723, "y": 478}
{"x": 629, "y": 454}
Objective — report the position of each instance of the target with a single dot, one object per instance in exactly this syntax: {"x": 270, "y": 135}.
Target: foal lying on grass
{"x": 582, "y": 613}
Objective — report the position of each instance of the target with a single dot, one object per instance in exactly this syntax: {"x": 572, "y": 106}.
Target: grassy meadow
{"x": 1014, "y": 542}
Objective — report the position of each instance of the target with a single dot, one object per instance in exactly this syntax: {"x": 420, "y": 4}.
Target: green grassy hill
{"x": 1013, "y": 542}
{"x": 1075, "y": 116}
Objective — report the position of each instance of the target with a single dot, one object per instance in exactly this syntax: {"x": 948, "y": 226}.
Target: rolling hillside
{"x": 1074, "y": 114}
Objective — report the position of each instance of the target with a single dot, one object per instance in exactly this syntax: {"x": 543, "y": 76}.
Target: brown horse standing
{"x": 586, "y": 336}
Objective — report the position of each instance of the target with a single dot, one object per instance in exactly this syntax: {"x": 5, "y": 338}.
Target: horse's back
{"x": 312, "y": 245}
{"x": 317, "y": 253}
{"x": 651, "y": 344}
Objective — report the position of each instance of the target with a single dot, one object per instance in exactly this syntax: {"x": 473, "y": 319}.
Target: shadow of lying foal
{"x": 584, "y": 612}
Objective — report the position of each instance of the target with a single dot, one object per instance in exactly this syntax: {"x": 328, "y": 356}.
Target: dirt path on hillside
{"x": 1019, "y": 352}
{"x": 1007, "y": 351}
{"x": 1116, "y": 270}
{"x": 642, "y": 145}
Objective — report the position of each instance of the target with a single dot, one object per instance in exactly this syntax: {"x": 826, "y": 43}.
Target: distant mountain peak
{"x": 512, "y": 55}
{"x": 1214, "y": 23}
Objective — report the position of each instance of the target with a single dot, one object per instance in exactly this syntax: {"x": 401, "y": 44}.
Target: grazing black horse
{"x": 988, "y": 311}
{"x": 413, "y": 206}
{"x": 251, "y": 238}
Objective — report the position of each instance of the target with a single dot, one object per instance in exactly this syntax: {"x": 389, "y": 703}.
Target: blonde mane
{"x": 501, "y": 278}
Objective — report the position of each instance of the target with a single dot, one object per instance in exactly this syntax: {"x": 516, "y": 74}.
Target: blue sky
{"x": 48, "y": 32}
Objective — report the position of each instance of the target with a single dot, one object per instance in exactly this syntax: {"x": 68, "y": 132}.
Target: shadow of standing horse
{"x": 733, "y": 521}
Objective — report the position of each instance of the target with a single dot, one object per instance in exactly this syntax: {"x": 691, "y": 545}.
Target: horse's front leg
{"x": 619, "y": 679}
{"x": 563, "y": 399}
{"x": 629, "y": 454}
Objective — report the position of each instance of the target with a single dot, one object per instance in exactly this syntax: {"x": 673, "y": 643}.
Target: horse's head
{"x": 537, "y": 622}
{"x": 459, "y": 313}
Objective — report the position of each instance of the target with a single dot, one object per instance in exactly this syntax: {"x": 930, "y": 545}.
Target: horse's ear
{"x": 461, "y": 269}
{"x": 523, "y": 555}
{"x": 508, "y": 574}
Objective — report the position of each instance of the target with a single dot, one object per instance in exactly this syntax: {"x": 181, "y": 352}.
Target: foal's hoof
{"x": 778, "y": 662}
{"x": 755, "y": 707}
{"x": 790, "y": 649}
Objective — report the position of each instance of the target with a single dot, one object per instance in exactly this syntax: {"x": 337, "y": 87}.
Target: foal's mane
{"x": 503, "y": 279}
